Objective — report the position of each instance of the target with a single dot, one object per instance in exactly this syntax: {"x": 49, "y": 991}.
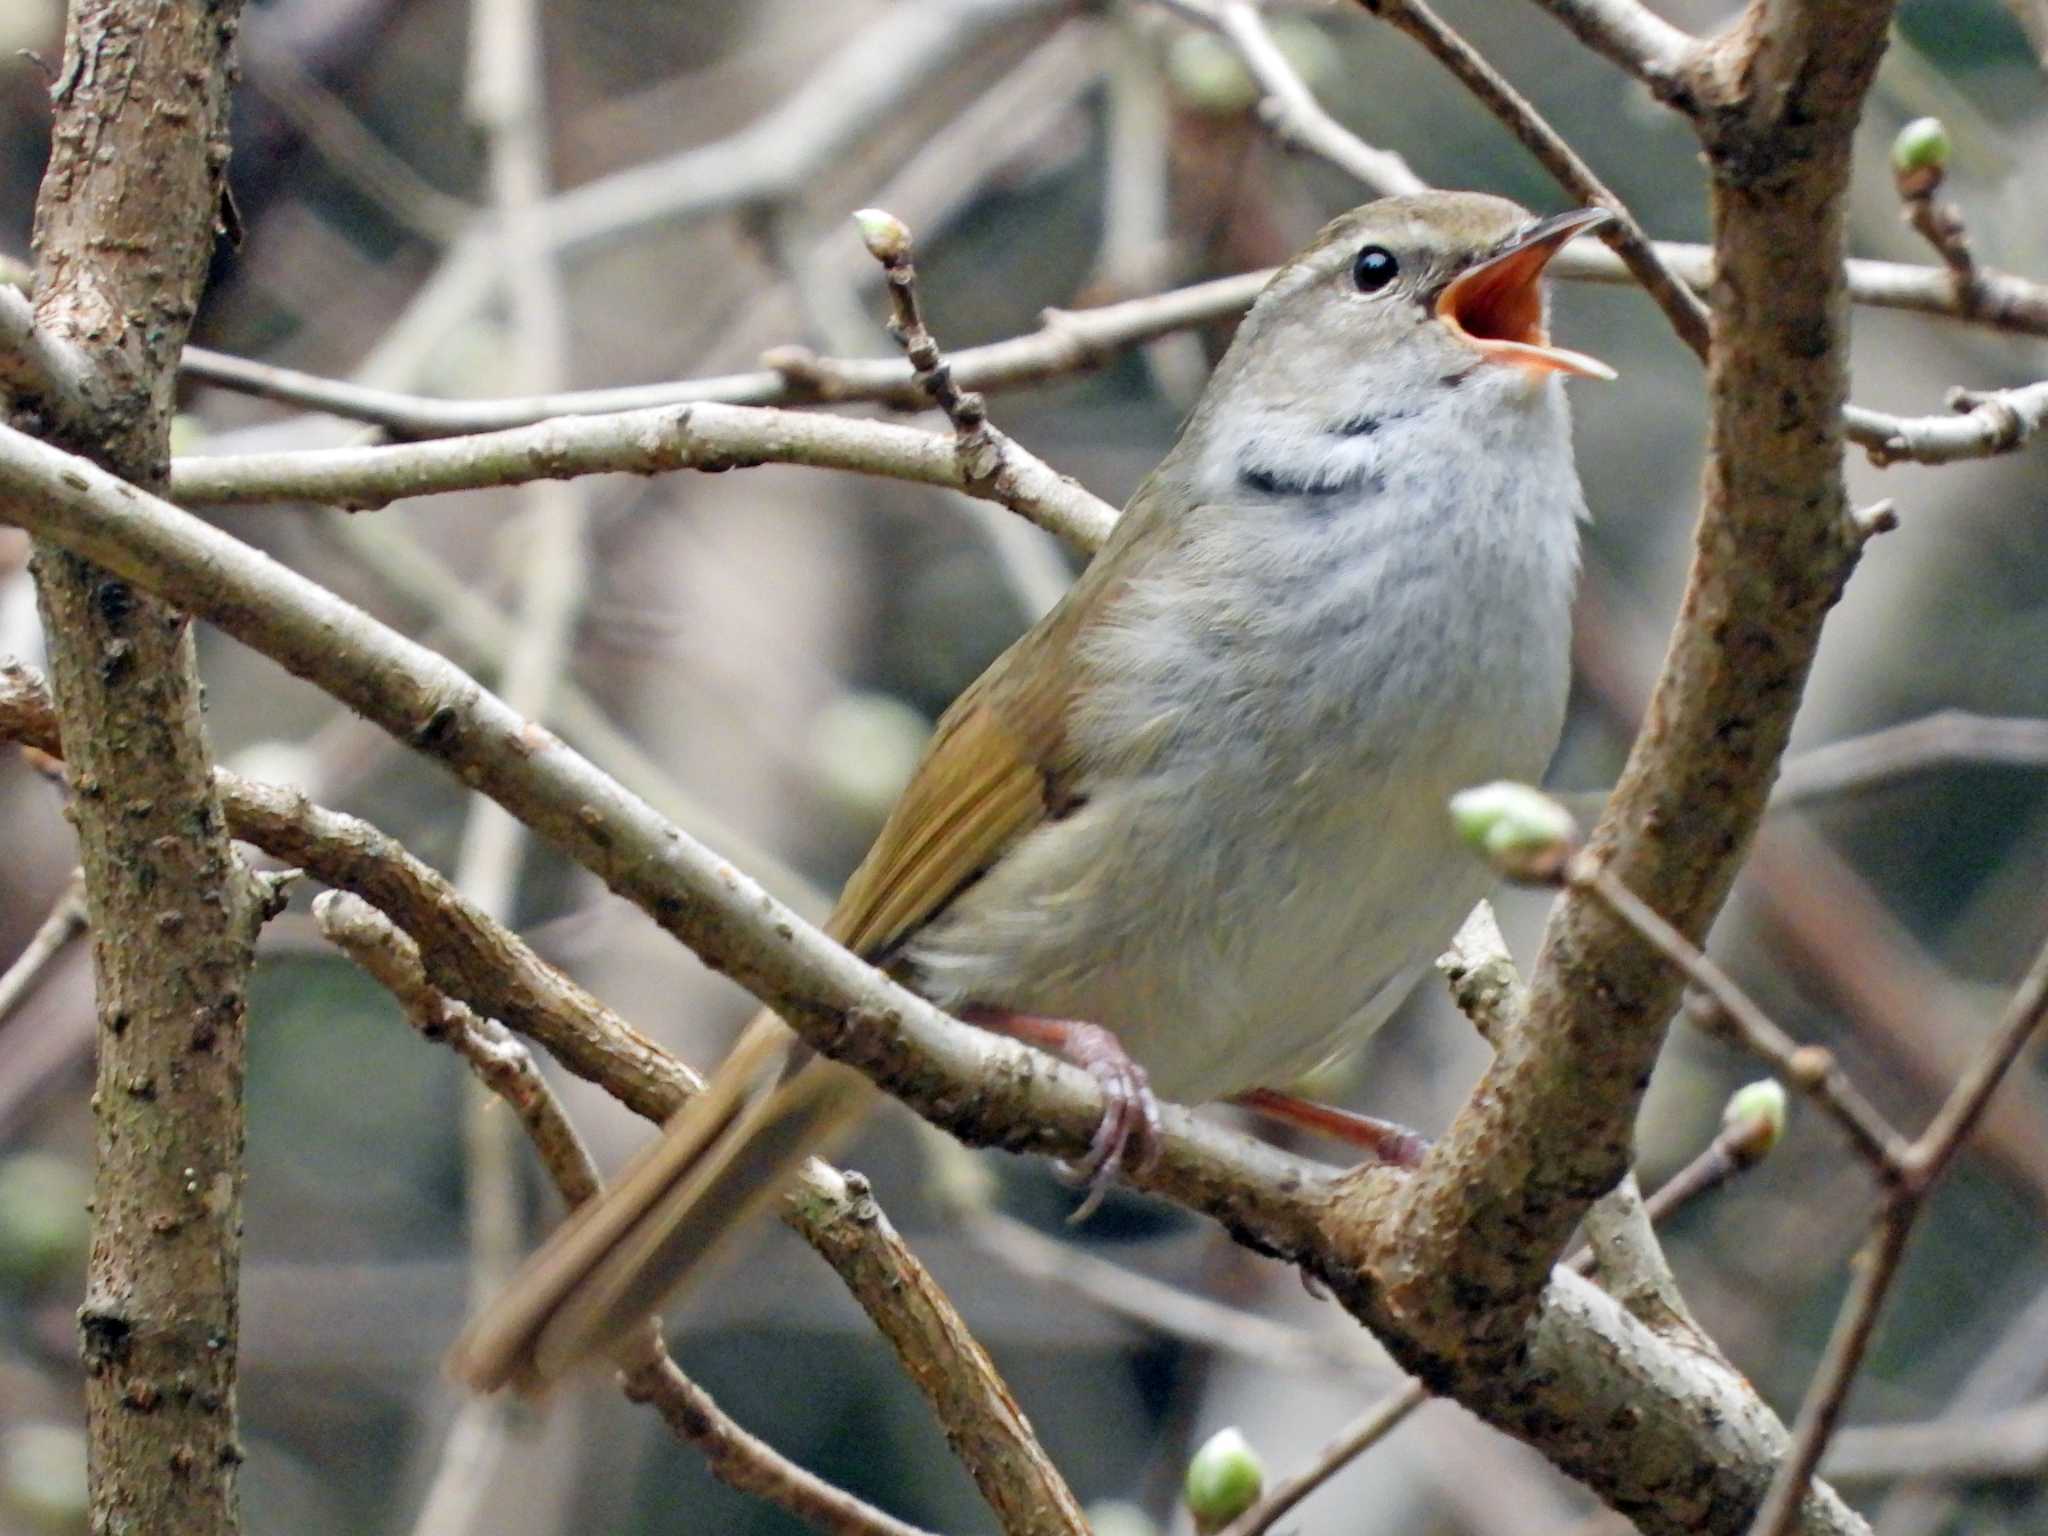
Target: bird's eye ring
{"x": 1374, "y": 268}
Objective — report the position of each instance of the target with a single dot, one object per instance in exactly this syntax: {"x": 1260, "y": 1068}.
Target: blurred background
{"x": 761, "y": 654}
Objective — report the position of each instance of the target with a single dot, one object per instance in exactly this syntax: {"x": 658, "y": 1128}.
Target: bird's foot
{"x": 1382, "y": 1140}
{"x": 1128, "y": 1133}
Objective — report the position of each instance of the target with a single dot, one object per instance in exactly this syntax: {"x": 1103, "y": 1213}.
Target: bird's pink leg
{"x": 1383, "y": 1140}
{"x": 1129, "y": 1130}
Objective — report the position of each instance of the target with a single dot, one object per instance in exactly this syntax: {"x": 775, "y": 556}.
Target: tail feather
{"x": 727, "y": 1153}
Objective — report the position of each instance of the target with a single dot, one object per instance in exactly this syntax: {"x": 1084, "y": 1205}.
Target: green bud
{"x": 886, "y": 236}
{"x": 188, "y": 433}
{"x": 1225, "y": 1479}
{"x": 42, "y": 1478}
{"x": 864, "y": 747}
{"x": 1306, "y": 46}
{"x": 1761, "y": 1106}
{"x": 1117, "y": 1517}
{"x": 1522, "y": 831}
{"x": 1922, "y": 145}
{"x": 1206, "y": 76}
{"x": 44, "y": 1227}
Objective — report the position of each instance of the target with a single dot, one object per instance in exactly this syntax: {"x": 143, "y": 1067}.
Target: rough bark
{"x": 125, "y": 226}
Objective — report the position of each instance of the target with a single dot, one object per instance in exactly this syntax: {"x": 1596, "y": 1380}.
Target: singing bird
{"x": 1190, "y": 828}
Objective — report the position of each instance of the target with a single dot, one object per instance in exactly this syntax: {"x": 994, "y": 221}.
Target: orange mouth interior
{"x": 1497, "y": 306}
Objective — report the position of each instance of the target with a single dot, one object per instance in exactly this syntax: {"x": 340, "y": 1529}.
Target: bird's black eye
{"x": 1374, "y": 269}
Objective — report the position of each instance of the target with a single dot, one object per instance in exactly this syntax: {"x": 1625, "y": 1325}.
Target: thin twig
{"x": 1939, "y": 223}
{"x": 1631, "y": 35}
{"x": 1810, "y": 1068}
{"x": 713, "y": 437}
{"x": 741, "y": 1460}
{"x": 1069, "y": 341}
{"x": 1352, "y": 1442}
{"x": 1959, "y": 1114}
{"x": 64, "y": 922}
{"x": 1828, "y": 1393}
{"x": 1681, "y": 306}
{"x": 1945, "y": 739}
{"x": 1986, "y": 423}
{"x": 987, "y": 455}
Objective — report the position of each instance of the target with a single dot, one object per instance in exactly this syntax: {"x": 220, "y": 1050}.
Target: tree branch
{"x": 1551, "y": 1124}
{"x": 1631, "y": 35}
{"x": 709, "y": 437}
{"x": 124, "y": 228}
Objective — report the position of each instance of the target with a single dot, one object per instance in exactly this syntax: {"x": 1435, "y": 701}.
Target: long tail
{"x": 724, "y": 1155}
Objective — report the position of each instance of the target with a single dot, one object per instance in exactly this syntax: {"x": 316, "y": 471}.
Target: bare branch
{"x": 709, "y": 437}
{"x": 1070, "y": 341}
{"x": 1352, "y": 1442}
{"x": 42, "y": 376}
{"x": 983, "y": 1423}
{"x": 64, "y": 922}
{"x": 1989, "y": 422}
{"x": 125, "y": 225}
{"x": 1828, "y": 1393}
{"x": 1946, "y": 739}
{"x": 1631, "y": 35}
{"x": 1965, "y": 1106}
{"x": 743, "y": 1461}
{"x": 1728, "y": 1009}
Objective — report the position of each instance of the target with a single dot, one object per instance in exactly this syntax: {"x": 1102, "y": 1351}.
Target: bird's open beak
{"x": 1497, "y": 305}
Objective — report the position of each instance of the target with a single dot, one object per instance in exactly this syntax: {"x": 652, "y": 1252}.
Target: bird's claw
{"x": 1129, "y": 1131}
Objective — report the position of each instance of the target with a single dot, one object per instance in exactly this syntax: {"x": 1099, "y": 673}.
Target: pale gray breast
{"x": 1274, "y": 718}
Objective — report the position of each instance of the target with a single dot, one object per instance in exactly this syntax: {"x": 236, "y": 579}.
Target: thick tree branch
{"x": 124, "y": 228}
{"x": 1551, "y": 1125}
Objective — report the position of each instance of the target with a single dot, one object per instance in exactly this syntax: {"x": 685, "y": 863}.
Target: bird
{"x": 1189, "y": 830}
